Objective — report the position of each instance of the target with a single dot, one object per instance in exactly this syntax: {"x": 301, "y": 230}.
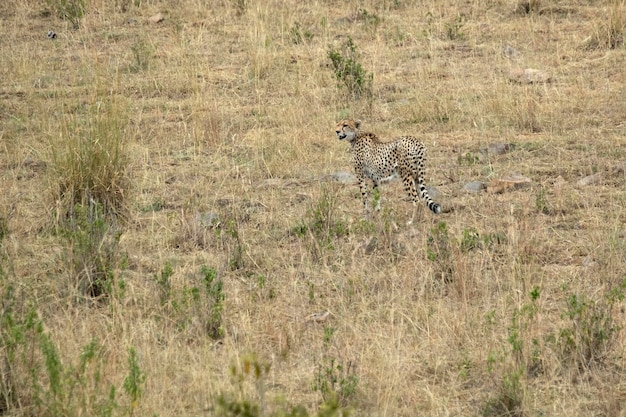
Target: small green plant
{"x": 142, "y": 55}
{"x": 328, "y": 334}
{"x": 236, "y": 257}
{"x": 468, "y": 159}
{"x": 156, "y": 205}
{"x": 377, "y": 201}
{"x": 521, "y": 329}
{"x": 454, "y": 29}
{"x": 470, "y": 240}
{"x": 36, "y": 380}
{"x": 336, "y": 381}
{"x": 322, "y": 223}
{"x": 4, "y": 229}
{"x": 372, "y": 20}
{"x": 200, "y": 300}
{"x": 134, "y": 383}
{"x": 247, "y": 402}
{"x": 241, "y": 6}
{"x": 165, "y": 286}
{"x": 593, "y": 328}
{"x": 349, "y": 72}
{"x": 214, "y": 288}
{"x": 525, "y": 360}
{"x": 70, "y": 10}
{"x": 429, "y": 31}
{"x": 510, "y": 394}
{"x": 298, "y": 35}
{"x": 541, "y": 202}
{"x": 439, "y": 251}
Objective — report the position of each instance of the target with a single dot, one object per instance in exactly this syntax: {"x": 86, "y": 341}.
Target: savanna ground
{"x": 169, "y": 218}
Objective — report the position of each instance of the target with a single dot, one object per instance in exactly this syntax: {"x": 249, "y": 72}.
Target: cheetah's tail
{"x": 434, "y": 207}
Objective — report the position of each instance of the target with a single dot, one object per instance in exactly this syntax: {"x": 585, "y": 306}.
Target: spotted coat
{"x": 379, "y": 161}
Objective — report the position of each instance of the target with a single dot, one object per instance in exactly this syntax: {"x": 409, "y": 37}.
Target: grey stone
{"x": 474, "y": 187}
{"x": 207, "y": 219}
{"x": 590, "y": 180}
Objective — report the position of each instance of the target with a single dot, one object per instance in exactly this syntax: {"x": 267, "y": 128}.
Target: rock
{"x": 157, "y": 18}
{"x": 559, "y": 182}
{"x": 317, "y": 317}
{"x": 432, "y": 191}
{"x": 509, "y": 52}
{"x": 510, "y": 182}
{"x": 590, "y": 180}
{"x": 343, "y": 177}
{"x": 529, "y": 76}
{"x": 207, "y": 219}
{"x": 474, "y": 187}
{"x": 500, "y": 148}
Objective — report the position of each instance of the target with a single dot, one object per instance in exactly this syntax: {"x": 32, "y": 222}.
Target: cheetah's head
{"x": 347, "y": 129}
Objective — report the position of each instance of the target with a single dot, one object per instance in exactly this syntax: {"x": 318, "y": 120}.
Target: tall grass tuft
{"x": 90, "y": 185}
{"x": 611, "y": 30}
{"x": 90, "y": 162}
{"x": 70, "y": 10}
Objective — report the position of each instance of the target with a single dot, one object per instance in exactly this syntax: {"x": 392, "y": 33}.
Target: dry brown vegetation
{"x": 168, "y": 223}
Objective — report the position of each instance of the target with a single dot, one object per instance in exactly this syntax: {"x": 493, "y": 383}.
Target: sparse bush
{"x": 541, "y": 202}
{"x": 135, "y": 381}
{"x": 165, "y": 285}
{"x": 528, "y": 6}
{"x": 246, "y": 402}
{"x": 322, "y": 222}
{"x": 470, "y": 240}
{"x": 337, "y": 381}
{"x": 454, "y": 29}
{"x": 299, "y": 35}
{"x": 520, "y": 361}
{"x": 592, "y": 329}
{"x": 142, "y": 55}
{"x": 349, "y": 72}
{"x": 372, "y": 20}
{"x": 439, "y": 251}
{"x": 241, "y": 6}
{"x": 36, "y": 380}
{"x": 4, "y": 229}
{"x": 92, "y": 250}
{"x": 214, "y": 288}
{"x": 509, "y": 398}
{"x": 197, "y": 307}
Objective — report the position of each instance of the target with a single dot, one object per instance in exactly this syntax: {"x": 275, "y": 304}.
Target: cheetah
{"x": 381, "y": 161}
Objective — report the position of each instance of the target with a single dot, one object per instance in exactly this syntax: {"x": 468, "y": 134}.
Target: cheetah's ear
{"x": 357, "y": 123}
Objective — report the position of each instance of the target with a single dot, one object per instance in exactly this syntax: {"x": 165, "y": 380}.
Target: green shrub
{"x": 92, "y": 250}
{"x": 592, "y": 328}
{"x": 36, "y": 380}
{"x": 199, "y": 300}
{"x": 337, "y": 381}
{"x": 349, "y": 72}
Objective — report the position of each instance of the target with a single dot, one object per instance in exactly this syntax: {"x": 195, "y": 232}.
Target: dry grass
{"x": 229, "y": 110}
